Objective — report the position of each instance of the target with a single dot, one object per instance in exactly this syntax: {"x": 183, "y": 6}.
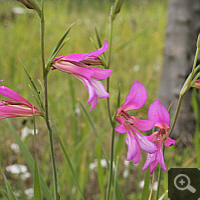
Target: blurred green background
{"x": 138, "y": 41}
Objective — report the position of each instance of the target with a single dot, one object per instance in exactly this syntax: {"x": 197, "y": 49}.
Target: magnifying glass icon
{"x": 184, "y": 181}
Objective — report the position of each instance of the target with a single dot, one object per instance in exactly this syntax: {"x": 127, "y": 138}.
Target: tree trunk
{"x": 180, "y": 45}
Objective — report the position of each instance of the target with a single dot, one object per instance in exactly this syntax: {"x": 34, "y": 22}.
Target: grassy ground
{"x": 137, "y": 55}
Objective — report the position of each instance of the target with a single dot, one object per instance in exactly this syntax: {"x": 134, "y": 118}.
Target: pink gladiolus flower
{"x": 161, "y": 117}
{"x": 79, "y": 65}
{"x": 128, "y": 124}
{"x": 17, "y": 107}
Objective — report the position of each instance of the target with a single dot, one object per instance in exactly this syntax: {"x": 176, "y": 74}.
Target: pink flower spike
{"x": 128, "y": 124}
{"x": 17, "y": 107}
{"x": 79, "y": 65}
{"x": 161, "y": 117}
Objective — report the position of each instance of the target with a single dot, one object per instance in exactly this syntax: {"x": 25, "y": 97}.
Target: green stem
{"x": 176, "y": 115}
{"x": 110, "y": 117}
{"x": 108, "y": 67}
{"x": 50, "y": 132}
{"x": 111, "y": 164}
{"x": 184, "y": 89}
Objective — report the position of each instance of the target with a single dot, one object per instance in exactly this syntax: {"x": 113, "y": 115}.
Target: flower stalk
{"x": 186, "y": 85}
{"x": 50, "y": 131}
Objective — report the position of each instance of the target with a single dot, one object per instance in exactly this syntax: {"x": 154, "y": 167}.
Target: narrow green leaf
{"x": 10, "y": 193}
{"x": 118, "y": 190}
{"x": 29, "y": 160}
{"x": 145, "y": 191}
{"x": 70, "y": 165}
{"x": 98, "y": 37}
{"x": 57, "y": 48}
{"x": 100, "y": 174}
{"x": 35, "y": 92}
{"x": 98, "y": 138}
{"x": 115, "y": 178}
{"x": 37, "y": 187}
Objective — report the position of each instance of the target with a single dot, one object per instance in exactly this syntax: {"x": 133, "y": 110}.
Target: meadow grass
{"x": 139, "y": 32}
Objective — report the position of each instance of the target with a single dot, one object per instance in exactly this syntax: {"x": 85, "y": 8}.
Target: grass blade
{"x": 29, "y": 159}
{"x": 145, "y": 191}
{"x": 37, "y": 187}
{"x": 95, "y": 131}
{"x": 119, "y": 195}
{"x": 57, "y": 48}
{"x": 70, "y": 165}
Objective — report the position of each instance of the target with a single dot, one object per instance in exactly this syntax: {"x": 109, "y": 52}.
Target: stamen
{"x": 124, "y": 115}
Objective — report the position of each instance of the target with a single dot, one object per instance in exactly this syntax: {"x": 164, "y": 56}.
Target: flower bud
{"x": 115, "y": 9}
{"x": 27, "y": 3}
{"x": 196, "y": 84}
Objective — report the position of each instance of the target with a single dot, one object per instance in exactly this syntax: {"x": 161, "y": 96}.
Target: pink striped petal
{"x": 143, "y": 142}
{"x": 97, "y": 53}
{"x": 17, "y": 111}
{"x": 142, "y": 125}
{"x": 14, "y": 95}
{"x": 101, "y": 73}
{"x": 133, "y": 148}
{"x": 73, "y": 69}
{"x": 99, "y": 89}
{"x": 77, "y": 57}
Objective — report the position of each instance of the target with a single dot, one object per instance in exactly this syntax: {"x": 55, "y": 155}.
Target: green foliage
{"x": 137, "y": 54}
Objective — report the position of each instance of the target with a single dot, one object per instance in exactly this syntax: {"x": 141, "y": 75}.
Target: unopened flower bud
{"x": 115, "y": 9}
{"x": 196, "y": 84}
{"x": 27, "y": 3}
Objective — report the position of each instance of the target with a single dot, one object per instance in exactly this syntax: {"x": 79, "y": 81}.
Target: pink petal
{"x": 89, "y": 87}
{"x": 136, "y": 98}
{"x": 160, "y": 156}
{"x": 153, "y": 166}
{"x": 120, "y": 120}
{"x": 77, "y": 57}
{"x": 169, "y": 142}
{"x": 143, "y": 142}
{"x": 151, "y": 158}
{"x": 93, "y": 103}
{"x": 120, "y": 129}
{"x": 14, "y": 95}
{"x": 142, "y": 125}
{"x": 99, "y": 89}
{"x": 153, "y": 137}
{"x": 159, "y": 114}
{"x": 133, "y": 149}
{"x": 17, "y": 111}
{"x": 95, "y": 89}
{"x": 98, "y": 52}
{"x": 73, "y": 69}
{"x": 101, "y": 73}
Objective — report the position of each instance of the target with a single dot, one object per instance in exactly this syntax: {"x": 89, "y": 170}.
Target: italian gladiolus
{"x": 80, "y": 66}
